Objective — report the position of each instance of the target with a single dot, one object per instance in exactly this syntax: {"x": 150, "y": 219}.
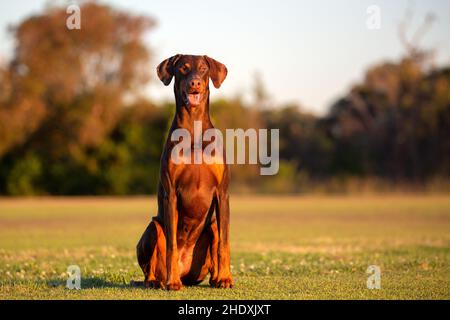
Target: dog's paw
{"x": 175, "y": 286}
{"x": 224, "y": 283}
{"x": 154, "y": 284}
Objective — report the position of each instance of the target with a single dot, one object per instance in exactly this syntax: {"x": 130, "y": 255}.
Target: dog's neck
{"x": 185, "y": 116}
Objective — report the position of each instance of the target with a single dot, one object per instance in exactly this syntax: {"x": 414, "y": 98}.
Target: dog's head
{"x": 192, "y": 74}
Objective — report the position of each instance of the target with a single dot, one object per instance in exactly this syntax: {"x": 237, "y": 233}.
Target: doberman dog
{"x": 189, "y": 237}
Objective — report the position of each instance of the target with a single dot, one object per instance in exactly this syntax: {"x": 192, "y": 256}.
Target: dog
{"x": 189, "y": 237}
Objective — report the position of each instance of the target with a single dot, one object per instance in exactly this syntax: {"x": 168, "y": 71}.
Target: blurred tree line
{"x": 73, "y": 119}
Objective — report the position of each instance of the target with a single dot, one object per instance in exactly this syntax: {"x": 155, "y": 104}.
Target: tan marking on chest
{"x": 217, "y": 170}
{"x": 215, "y": 165}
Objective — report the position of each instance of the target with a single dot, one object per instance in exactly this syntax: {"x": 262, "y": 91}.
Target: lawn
{"x": 312, "y": 247}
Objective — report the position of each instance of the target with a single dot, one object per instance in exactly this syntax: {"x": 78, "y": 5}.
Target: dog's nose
{"x": 195, "y": 83}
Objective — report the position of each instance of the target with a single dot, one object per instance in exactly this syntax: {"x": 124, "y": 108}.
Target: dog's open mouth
{"x": 193, "y": 98}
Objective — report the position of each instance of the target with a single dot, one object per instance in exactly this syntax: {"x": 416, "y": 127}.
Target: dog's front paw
{"x": 226, "y": 282}
{"x": 153, "y": 284}
{"x": 175, "y": 285}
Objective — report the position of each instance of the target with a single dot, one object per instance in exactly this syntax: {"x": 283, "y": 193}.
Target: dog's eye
{"x": 184, "y": 69}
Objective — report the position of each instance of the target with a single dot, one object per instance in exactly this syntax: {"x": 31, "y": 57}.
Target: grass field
{"x": 310, "y": 247}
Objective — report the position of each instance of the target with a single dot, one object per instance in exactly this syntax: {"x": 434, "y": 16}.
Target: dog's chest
{"x": 196, "y": 185}
{"x": 197, "y": 175}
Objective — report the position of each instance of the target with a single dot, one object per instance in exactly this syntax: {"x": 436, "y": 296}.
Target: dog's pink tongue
{"x": 194, "y": 99}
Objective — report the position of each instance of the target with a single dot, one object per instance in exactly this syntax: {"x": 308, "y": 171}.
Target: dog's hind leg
{"x": 151, "y": 254}
{"x": 214, "y": 252}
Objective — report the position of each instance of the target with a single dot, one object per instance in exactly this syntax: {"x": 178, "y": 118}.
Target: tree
{"x": 64, "y": 90}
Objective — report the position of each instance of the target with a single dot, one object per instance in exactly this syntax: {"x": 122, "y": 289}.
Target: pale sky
{"x": 308, "y": 52}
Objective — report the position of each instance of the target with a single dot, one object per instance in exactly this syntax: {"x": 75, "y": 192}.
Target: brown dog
{"x": 189, "y": 237}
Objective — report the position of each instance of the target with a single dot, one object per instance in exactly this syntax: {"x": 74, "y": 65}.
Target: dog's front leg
{"x": 224, "y": 279}
{"x": 170, "y": 224}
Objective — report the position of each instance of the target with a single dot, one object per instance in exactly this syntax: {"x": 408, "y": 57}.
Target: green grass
{"x": 282, "y": 248}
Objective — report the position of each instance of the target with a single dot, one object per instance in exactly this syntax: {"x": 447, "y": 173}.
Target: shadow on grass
{"x": 90, "y": 283}
{"x": 98, "y": 283}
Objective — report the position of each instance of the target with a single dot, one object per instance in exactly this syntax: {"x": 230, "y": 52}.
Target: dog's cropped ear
{"x": 217, "y": 71}
{"x": 165, "y": 69}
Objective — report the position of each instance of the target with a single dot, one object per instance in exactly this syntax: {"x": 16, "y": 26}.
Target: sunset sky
{"x": 308, "y": 52}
